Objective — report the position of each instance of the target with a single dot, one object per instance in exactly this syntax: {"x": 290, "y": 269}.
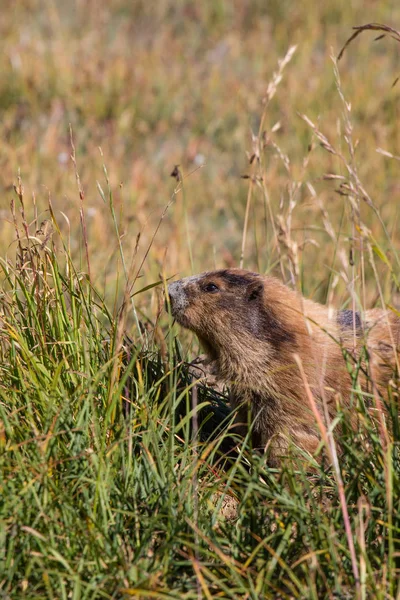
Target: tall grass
{"x": 119, "y": 474}
{"x": 111, "y": 491}
{"x": 185, "y": 84}
{"x": 115, "y": 483}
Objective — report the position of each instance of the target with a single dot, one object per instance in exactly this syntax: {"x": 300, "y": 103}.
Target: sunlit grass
{"x": 118, "y": 474}
{"x": 184, "y": 84}
{"x": 110, "y": 487}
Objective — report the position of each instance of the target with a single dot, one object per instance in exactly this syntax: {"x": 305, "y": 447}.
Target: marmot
{"x": 251, "y": 326}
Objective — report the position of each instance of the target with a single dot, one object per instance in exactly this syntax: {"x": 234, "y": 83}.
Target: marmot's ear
{"x": 255, "y": 290}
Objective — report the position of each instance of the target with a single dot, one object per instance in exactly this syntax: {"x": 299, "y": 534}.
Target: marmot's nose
{"x": 172, "y": 292}
{"x": 174, "y": 288}
{"x": 177, "y": 296}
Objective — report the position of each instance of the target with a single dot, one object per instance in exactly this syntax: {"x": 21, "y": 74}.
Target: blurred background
{"x": 146, "y": 86}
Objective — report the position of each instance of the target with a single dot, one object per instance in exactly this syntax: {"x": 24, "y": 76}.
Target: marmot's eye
{"x": 211, "y": 287}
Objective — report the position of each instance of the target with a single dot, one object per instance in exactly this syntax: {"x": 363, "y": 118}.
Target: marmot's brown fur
{"x": 251, "y": 326}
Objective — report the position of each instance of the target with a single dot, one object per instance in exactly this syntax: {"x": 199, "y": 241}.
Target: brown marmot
{"x": 251, "y": 326}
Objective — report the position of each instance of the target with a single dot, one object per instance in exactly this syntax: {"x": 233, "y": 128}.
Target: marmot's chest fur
{"x": 251, "y": 326}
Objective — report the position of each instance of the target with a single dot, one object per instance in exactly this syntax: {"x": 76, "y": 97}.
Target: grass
{"x": 108, "y": 490}
{"x": 118, "y": 477}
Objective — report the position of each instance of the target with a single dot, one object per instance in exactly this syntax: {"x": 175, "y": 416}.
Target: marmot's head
{"x": 228, "y": 310}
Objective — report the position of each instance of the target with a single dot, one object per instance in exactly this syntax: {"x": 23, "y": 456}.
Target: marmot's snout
{"x": 177, "y": 297}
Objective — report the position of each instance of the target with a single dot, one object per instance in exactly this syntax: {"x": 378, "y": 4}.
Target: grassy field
{"x": 113, "y": 482}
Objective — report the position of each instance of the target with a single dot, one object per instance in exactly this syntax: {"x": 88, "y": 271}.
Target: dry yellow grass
{"x": 183, "y": 83}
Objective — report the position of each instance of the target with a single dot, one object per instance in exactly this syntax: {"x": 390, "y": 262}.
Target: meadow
{"x": 138, "y": 143}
